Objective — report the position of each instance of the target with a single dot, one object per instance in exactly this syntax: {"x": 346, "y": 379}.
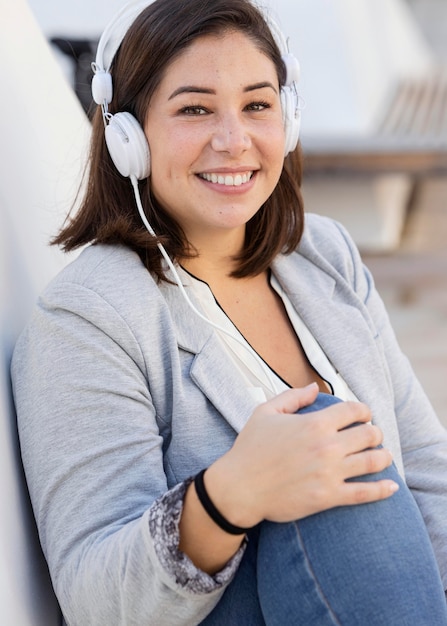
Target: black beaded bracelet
{"x": 209, "y": 507}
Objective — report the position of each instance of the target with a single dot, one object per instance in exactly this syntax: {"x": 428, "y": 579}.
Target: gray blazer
{"x": 122, "y": 392}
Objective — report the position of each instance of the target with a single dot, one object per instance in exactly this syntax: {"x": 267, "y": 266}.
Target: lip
{"x": 229, "y": 170}
{"x": 234, "y": 171}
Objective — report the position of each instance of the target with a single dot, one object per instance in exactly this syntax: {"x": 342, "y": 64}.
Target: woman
{"x": 128, "y": 385}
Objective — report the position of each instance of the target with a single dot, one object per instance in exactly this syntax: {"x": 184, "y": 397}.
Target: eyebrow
{"x": 194, "y": 89}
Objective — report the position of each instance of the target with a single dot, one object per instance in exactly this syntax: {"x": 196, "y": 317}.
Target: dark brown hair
{"x": 108, "y": 213}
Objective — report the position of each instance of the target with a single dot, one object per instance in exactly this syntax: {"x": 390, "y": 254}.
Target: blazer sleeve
{"x": 93, "y": 459}
{"x": 423, "y": 439}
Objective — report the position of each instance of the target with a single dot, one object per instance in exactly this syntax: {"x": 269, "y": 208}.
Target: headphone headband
{"x": 116, "y": 30}
{"x": 108, "y": 45}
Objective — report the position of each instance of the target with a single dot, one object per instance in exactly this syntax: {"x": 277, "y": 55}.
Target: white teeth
{"x": 228, "y": 179}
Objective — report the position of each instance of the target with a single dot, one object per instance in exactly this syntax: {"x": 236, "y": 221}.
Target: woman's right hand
{"x": 285, "y": 466}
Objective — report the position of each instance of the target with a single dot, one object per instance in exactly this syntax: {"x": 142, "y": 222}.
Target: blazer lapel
{"x": 212, "y": 370}
{"x": 338, "y": 320}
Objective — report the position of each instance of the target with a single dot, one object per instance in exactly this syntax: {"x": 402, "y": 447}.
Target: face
{"x": 216, "y": 137}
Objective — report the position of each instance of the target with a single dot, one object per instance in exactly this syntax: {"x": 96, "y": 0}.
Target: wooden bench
{"x": 368, "y": 182}
{"x": 410, "y": 138}
{"x": 42, "y": 138}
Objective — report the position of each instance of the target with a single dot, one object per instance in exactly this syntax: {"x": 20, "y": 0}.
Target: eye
{"x": 258, "y": 106}
{"x": 195, "y": 109}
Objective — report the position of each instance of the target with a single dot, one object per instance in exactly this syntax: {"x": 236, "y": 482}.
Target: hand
{"x": 284, "y": 466}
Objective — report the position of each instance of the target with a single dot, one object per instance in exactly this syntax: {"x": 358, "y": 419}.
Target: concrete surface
{"x": 413, "y": 284}
{"x": 413, "y": 280}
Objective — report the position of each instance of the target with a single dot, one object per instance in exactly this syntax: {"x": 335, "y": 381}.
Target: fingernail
{"x": 394, "y": 487}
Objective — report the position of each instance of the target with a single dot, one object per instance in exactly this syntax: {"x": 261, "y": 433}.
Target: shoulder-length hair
{"x": 107, "y": 213}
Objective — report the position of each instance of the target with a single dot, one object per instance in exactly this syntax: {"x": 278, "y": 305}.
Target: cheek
{"x": 274, "y": 149}
{"x": 173, "y": 152}
{"x": 273, "y": 138}
{"x": 281, "y": 136}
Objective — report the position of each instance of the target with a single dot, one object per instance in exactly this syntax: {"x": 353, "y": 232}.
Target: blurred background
{"x": 374, "y": 137}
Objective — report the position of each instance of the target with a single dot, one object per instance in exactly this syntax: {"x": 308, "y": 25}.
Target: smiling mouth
{"x": 227, "y": 179}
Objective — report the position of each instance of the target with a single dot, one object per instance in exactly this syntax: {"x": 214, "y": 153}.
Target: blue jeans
{"x": 364, "y": 565}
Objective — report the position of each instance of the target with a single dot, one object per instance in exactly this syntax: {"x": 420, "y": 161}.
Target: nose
{"x": 231, "y": 136}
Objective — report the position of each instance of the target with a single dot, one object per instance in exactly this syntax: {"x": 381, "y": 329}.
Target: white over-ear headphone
{"x": 125, "y": 138}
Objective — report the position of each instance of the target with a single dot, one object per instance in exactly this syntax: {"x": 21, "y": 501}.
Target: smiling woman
{"x": 158, "y": 382}
{"x": 217, "y": 144}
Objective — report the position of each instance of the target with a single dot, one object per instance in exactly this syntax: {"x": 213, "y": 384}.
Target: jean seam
{"x": 309, "y": 565}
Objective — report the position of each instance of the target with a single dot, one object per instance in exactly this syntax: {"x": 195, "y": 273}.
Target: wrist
{"x": 207, "y": 546}
{"x": 226, "y": 489}
{"x": 213, "y": 512}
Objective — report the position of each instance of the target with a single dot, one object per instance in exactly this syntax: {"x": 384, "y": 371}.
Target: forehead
{"x": 216, "y": 55}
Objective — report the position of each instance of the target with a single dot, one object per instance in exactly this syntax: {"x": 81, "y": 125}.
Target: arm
{"x": 424, "y": 446}
{"x": 93, "y": 459}
{"x": 423, "y": 439}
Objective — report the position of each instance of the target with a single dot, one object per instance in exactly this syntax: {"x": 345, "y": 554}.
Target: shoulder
{"x": 327, "y": 244}
{"x": 326, "y": 237}
{"x": 113, "y": 274}
{"x": 327, "y": 252}
{"x": 105, "y": 294}
{"x": 102, "y": 266}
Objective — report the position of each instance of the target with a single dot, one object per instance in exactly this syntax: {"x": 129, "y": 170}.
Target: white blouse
{"x": 261, "y": 381}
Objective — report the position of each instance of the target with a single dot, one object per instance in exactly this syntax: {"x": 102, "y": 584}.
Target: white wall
{"x": 352, "y": 52}
{"x": 79, "y": 18}
{"x": 44, "y": 133}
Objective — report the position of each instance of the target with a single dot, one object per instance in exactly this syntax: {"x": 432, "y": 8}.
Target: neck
{"x": 215, "y": 258}
{"x": 227, "y": 289}
{"x": 210, "y": 269}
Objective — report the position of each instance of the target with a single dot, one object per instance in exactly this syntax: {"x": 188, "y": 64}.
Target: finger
{"x": 346, "y": 414}
{"x": 293, "y": 399}
{"x": 360, "y": 437}
{"x": 367, "y": 462}
{"x": 361, "y": 493}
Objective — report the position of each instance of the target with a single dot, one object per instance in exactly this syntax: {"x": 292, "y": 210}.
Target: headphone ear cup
{"x": 291, "y": 118}
{"x": 128, "y": 146}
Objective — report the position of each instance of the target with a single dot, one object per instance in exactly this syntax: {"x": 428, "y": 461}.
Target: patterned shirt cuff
{"x": 164, "y": 518}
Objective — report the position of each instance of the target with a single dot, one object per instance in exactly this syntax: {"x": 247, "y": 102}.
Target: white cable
{"x": 171, "y": 265}
{"x": 178, "y": 280}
